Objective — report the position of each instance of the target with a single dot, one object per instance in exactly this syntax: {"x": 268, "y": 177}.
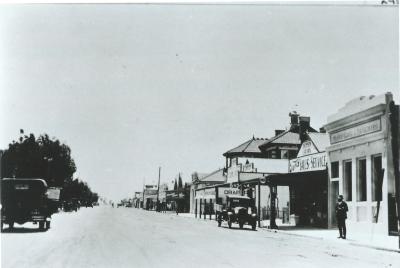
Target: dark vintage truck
{"x": 25, "y": 200}
{"x": 238, "y": 209}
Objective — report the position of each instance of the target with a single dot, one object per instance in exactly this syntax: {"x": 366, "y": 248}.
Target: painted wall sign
{"x": 249, "y": 168}
{"x": 233, "y": 173}
{"x": 360, "y": 130}
{"x": 307, "y": 148}
{"x": 206, "y": 193}
{"x": 150, "y": 192}
{"x": 308, "y": 163}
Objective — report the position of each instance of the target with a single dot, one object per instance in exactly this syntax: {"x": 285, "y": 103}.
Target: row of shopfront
{"x": 160, "y": 198}
{"x": 300, "y": 171}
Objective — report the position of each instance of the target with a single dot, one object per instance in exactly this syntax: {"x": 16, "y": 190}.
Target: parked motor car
{"x": 238, "y": 209}
{"x": 25, "y": 200}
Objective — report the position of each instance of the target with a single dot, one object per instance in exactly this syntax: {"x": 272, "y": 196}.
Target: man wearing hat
{"x": 341, "y": 216}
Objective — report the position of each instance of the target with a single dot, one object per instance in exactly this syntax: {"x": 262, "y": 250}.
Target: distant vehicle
{"x": 25, "y": 200}
{"x": 238, "y": 209}
{"x": 71, "y": 205}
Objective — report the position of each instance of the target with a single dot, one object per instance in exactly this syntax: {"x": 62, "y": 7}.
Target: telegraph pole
{"x": 158, "y": 189}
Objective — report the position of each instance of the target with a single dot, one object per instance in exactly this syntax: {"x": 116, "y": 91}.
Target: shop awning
{"x": 297, "y": 178}
{"x": 205, "y": 197}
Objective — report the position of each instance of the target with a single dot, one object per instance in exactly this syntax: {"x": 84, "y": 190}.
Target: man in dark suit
{"x": 341, "y": 216}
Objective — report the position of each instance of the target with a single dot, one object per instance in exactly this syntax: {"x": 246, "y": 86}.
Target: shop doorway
{"x": 392, "y": 215}
{"x": 333, "y": 197}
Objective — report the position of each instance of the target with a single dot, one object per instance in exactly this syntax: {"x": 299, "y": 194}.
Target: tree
{"x": 39, "y": 158}
{"x": 180, "y": 182}
{"x": 175, "y": 186}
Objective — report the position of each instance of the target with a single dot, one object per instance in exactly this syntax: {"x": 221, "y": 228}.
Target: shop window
{"x": 284, "y": 154}
{"x": 347, "y": 180}
{"x": 335, "y": 170}
{"x": 377, "y": 174}
{"x": 362, "y": 180}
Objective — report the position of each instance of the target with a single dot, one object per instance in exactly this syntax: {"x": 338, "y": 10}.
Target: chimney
{"x": 322, "y": 130}
{"x": 304, "y": 126}
{"x": 278, "y": 131}
{"x": 294, "y": 118}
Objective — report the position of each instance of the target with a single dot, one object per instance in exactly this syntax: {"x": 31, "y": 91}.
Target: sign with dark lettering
{"x": 307, "y": 148}
{"x": 224, "y": 191}
{"x": 357, "y": 131}
{"x": 308, "y": 163}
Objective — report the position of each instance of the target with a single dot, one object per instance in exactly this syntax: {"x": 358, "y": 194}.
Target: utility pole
{"x": 143, "y": 193}
{"x": 177, "y": 201}
{"x": 158, "y": 189}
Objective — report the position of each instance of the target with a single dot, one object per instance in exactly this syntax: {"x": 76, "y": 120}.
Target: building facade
{"x": 363, "y": 164}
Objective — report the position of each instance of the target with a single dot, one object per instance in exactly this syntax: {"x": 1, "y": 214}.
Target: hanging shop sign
{"x": 357, "y": 131}
{"x": 308, "y": 163}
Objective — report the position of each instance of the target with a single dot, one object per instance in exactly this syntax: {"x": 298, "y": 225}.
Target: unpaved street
{"x": 127, "y": 237}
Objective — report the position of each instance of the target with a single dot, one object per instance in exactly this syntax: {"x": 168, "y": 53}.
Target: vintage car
{"x": 24, "y": 200}
{"x": 238, "y": 209}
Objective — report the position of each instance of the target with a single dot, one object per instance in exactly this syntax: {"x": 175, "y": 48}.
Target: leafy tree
{"x": 41, "y": 157}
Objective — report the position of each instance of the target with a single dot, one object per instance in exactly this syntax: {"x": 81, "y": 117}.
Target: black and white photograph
{"x": 169, "y": 134}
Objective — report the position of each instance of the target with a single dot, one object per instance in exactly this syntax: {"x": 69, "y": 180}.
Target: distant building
{"x": 202, "y": 190}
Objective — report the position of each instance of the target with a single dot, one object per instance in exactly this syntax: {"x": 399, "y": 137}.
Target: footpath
{"x": 380, "y": 242}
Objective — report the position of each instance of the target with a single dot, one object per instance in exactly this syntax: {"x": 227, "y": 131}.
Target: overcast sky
{"x": 133, "y": 87}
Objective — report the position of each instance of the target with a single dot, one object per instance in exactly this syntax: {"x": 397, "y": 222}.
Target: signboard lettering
{"x": 21, "y": 187}
{"x": 206, "y": 193}
{"x": 224, "y": 191}
{"x": 249, "y": 168}
{"x": 308, "y": 163}
{"x": 307, "y": 148}
{"x": 233, "y": 173}
{"x": 356, "y": 131}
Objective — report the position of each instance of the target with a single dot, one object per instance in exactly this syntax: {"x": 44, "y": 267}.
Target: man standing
{"x": 341, "y": 216}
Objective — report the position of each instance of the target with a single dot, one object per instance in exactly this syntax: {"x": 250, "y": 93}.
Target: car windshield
{"x": 238, "y": 202}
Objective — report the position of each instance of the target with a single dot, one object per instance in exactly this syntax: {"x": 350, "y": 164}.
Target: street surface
{"x": 128, "y": 237}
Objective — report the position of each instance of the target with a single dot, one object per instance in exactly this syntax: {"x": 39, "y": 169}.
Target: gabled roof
{"x": 286, "y": 137}
{"x": 249, "y": 147}
{"x": 215, "y": 176}
{"x": 320, "y": 140}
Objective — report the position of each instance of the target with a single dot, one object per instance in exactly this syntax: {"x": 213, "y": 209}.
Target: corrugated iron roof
{"x": 217, "y": 175}
{"x": 286, "y": 137}
{"x": 250, "y": 146}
